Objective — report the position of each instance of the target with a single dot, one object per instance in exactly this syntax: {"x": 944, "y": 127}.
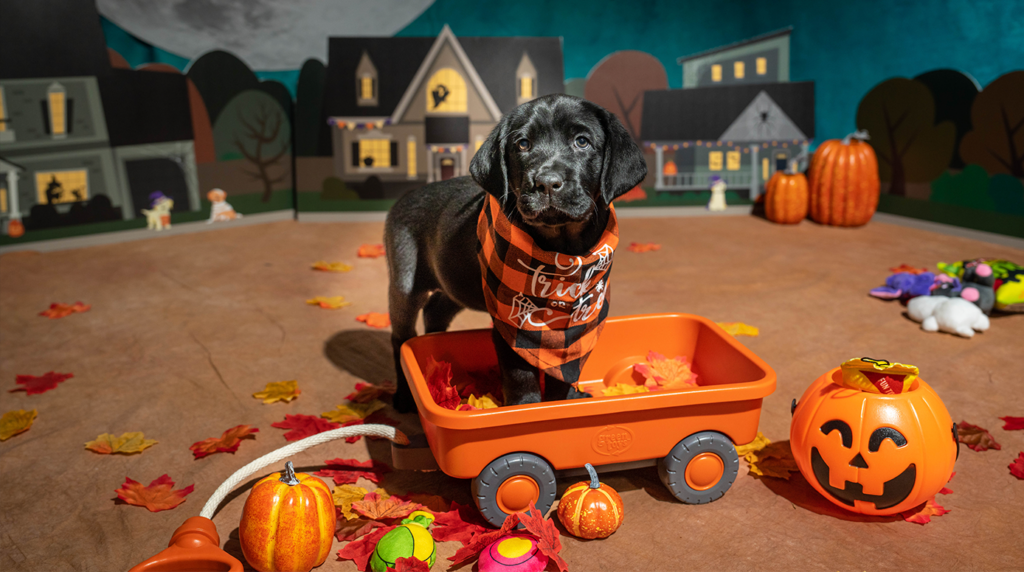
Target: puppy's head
{"x": 557, "y": 160}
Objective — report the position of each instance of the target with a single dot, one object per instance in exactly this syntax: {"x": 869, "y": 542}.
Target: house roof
{"x": 754, "y": 40}
{"x": 11, "y": 163}
{"x": 145, "y": 107}
{"x": 398, "y": 59}
{"x": 705, "y": 113}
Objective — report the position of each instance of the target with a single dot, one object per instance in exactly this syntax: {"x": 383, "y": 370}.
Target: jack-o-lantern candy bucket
{"x": 873, "y": 453}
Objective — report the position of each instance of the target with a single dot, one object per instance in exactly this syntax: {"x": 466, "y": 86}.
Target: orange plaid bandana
{"x": 548, "y": 307}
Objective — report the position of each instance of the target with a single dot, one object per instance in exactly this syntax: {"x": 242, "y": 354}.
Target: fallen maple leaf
{"x": 924, "y": 513}
{"x": 976, "y": 438}
{"x": 279, "y": 391}
{"x": 1013, "y": 423}
{"x": 228, "y": 441}
{"x": 348, "y": 412}
{"x": 624, "y": 389}
{"x": 158, "y": 496}
{"x": 349, "y": 530}
{"x": 1017, "y": 466}
{"x": 370, "y": 251}
{"x": 759, "y": 442}
{"x": 329, "y": 302}
{"x": 410, "y": 564}
{"x": 331, "y": 266}
{"x": 374, "y": 319}
{"x": 61, "y": 310}
{"x": 14, "y": 422}
{"x": 359, "y": 551}
{"x": 739, "y": 329}
{"x": 439, "y": 381}
{"x": 303, "y": 426}
{"x": 665, "y": 373}
{"x": 127, "y": 443}
{"x": 461, "y": 523}
{"x": 548, "y": 541}
{"x": 643, "y": 246}
{"x": 908, "y": 269}
{"x": 344, "y": 496}
{"x": 348, "y": 471}
{"x": 367, "y": 392}
{"x": 481, "y": 541}
{"x": 774, "y": 460}
{"x": 33, "y": 385}
{"x": 376, "y": 507}
{"x": 485, "y": 402}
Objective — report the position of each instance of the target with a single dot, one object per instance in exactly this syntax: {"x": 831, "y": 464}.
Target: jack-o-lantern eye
{"x": 844, "y": 430}
{"x": 883, "y": 433}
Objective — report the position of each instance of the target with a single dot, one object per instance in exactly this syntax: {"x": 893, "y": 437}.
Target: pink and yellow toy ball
{"x": 513, "y": 553}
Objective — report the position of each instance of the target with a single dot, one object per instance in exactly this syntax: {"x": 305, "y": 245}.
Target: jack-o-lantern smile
{"x": 894, "y": 490}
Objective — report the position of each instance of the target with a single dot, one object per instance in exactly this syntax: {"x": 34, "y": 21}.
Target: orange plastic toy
{"x": 873, "y": 453}
{"x": 194, "y": 546}
{"x": 512, "y": 453}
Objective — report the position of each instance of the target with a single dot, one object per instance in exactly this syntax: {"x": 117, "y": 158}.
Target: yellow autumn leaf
{"x": 14, "y": 422}
{"x": 775, "y": 460}
{"x": 127, "y": 443}
{"x": 747, "y": 451}
{"x": 279, "y": 391}
{"x": 624, "y": 389}
{"x": 739, "y": 329}
{"x": 331, "y": 266}
{"x": 329, "y": 302}
{"x": 352, "y": 411}
{"x": 485, "y": 402}
{"x": 344, "y": 496}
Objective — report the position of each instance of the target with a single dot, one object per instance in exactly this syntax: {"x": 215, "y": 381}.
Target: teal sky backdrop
{"x": 845, "y": 46}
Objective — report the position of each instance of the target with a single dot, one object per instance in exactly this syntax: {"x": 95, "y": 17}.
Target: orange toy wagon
{"x": 512, "y": 453}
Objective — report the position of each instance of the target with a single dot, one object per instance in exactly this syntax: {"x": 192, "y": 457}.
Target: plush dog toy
{"x": 952, "y": 315}
{"x": 220, "y": 209}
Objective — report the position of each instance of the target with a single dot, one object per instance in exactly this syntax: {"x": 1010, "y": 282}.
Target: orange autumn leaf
{"x": 127, "y": 443}
{"x": 279, "y": 391}
{"x": 329, "y": 302}
{"x": 14, "y": 422}
{"x": 58, "y": 310}
{"x": 159, "y": 495}
{"x": 370, "y": 251}
{"x": 228, "y": 441}
{"x": 924, "y": 513}
{"x": 374, "y": 319}
{"x": 331, "y": 266}
{"x": 643, "y": 246}
{"x": 377, "y": 507}
{"x": 663, "y": 373}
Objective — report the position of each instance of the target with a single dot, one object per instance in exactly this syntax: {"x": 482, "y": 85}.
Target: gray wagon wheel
{"x": 510, "y": 483}
{"x": 700, "y": 468}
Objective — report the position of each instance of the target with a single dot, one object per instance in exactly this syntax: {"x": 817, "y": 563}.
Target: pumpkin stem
{"x": 288, "y": 477}
{"x": 594, "y": 483}
{"x": 861, "y": 134}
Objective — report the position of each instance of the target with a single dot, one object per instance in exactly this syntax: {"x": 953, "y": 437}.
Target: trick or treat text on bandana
{"x": 549, "y": 307}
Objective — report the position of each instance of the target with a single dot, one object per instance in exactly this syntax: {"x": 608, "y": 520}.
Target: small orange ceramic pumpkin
{"x": 15, "y": 228}
{"x": 844, "y": 182}
{"x": 287, "y": 523}
{"x": 590, "y": 509}
{"x": 873, "y": 453}
{"x": 786, "y": 198}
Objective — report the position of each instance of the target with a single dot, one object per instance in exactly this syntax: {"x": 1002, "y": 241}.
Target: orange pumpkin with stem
{"x": 590, "y": 509}
{"x": 287, "y": 523}
{"x": 785, "y": 199}
{"x": 844, "y": 182}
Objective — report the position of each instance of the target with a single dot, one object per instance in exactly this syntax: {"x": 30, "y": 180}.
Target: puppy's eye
{"x": 524, "y": 144}
{"x": 582, "y": 142}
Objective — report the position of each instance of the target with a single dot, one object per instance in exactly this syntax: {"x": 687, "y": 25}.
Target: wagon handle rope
{"x": 372, "y": 430}
{"x": 861, "y": 134}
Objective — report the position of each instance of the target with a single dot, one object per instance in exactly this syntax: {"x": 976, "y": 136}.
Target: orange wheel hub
{"x": 516, "y": 494}
{"x": 704, "y": 471}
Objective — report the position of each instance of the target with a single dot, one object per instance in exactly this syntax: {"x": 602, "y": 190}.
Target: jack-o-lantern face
{"x": 871, "y": 453}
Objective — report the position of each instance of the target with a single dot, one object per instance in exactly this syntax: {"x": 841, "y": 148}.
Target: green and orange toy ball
{"x": 408, "y": 540}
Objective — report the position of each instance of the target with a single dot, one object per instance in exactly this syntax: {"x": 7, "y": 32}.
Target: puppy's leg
{"x": 519, "y": 381}
{"x": 404, "y": 309}
{"x": 439, "y": 312}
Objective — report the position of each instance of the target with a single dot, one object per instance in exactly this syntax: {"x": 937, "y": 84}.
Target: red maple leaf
{"x": 481, "y": 541}
{"x": 1017, "y": 466}
{"x": 58, "y": 310}
{"x": 359, "y": 551}
{"x": 367, "y": 392}
{"x": 33, "y": 385}
{"x": 303, "y": 426}
{"x": 439, "y": 381}
{"x": 410, "y": 565}
{"x": 461, "y": 523}
{"x": 370, "y": 251}
{"x": 159, "y": 495}
{"x": 547, "y": 535}
{"x": 348, "y": 471}
{"x": 976, "y": 438}
{"x": 228, "y": 441}
{"x": 924, "y": 513}
{"x": 349, "y": 530}
{"x": 1013, "y": 423}
{"x": 374, "y": 418}
{"x": 484, "y": 382}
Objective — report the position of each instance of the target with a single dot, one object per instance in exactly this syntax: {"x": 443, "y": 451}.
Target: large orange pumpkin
{"x": 287, "y": 523}
{"x": 844, "y": 182}
{"x": 873, "y": 453}
{"x": 590, "y": 509}
{"x": 785, "y": 199}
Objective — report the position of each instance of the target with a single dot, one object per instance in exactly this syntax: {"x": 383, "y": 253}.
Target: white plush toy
{"x": 953, "y": 315}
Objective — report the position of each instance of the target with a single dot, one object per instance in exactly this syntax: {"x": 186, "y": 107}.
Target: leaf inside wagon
{"x": 663, "y": 373}
{"x": 439, "y": 382}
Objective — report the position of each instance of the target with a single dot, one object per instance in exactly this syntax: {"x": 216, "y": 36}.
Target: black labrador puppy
{"x": 556, "y": 163}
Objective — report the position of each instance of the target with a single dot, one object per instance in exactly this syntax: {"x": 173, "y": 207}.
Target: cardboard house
{"x": 737, "y": 117}
{"x": 409, "y": 111}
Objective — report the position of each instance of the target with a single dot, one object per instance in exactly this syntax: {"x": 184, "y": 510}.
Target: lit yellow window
{"x": 3, "y": 114}
{"x": 410, "y": 160}
{"x": 3, "y": 200}
{"x": 446, "y": 92}
{"x": 366, "y": 87}
{"x": 56, "y": 187}
{"x": 732, "y": 160}
{"x": 525, "y": 87}
{"x": 58, "y": 117}
{"x": 738, "y": 70}
{"x": 764, "y": 168}
{"x": 715, "y": 160}
{"x": 374, "y": 152}
{"x": 762, "y": 66}
{"x": 716, "y": 73}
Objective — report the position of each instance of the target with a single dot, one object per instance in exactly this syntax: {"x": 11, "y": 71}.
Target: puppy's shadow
{"x": 365, "y": 354}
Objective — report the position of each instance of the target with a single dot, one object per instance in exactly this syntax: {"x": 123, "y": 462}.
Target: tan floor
{"x": 184, "y": 329}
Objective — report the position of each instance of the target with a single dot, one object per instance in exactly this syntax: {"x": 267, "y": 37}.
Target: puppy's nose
{"x": 548, "y": 183}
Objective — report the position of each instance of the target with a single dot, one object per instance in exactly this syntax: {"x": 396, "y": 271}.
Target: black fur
{"x": 550, "y": 182}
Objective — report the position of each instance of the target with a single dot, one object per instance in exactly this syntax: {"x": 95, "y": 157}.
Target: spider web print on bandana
{"x": 548, "y": 307}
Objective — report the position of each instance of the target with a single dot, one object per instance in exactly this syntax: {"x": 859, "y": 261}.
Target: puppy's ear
{"x": 624, "y": 166}
{"x": 488, "y": 167}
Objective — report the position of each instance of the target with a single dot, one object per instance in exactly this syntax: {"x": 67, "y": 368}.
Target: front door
{"x": 447, "y": 168}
